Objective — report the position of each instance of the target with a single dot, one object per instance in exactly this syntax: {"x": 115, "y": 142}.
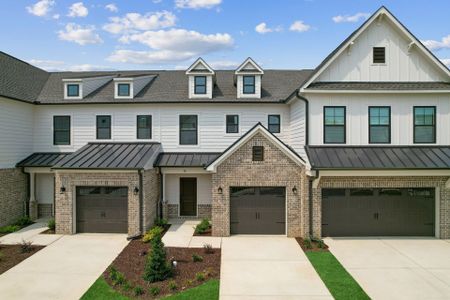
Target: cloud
{"x": 224, "y": 64}
{"x": 446, "y": 61}
{"x": 438, "y": 45}
{"x": 56, "y": 16}
{"x": 79, "y": 34}
{"x": 87, "y": 68}
{"x": 263, "y": 29}
{"x": 350, "y": 18}
{"x": 136, "y": 21}
{"x": 111, "y": 7}
{"x": 41, "y": 8}
{"x": 171, "y": 46}
{"x": 299, "y": 26}
{"x": 57, "y": 65}
{"x": 46, "y": 64}
{"x": 78, "y": 10}
{"x": 197, "y": 4}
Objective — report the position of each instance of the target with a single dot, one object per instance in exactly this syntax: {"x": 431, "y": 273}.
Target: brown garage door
{"x": 257, "y": 210}
{"x": 102, "y": 209}
{"x": 378, "y": 212}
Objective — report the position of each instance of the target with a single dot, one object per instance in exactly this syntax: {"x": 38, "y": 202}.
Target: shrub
{"x": 200, "y": 276}
{"x": 203, "y": 226}
{"x": 24, "y": 221}
{"x": 127, "y": 286}
{"x": 9, "y": 228}
{"x": 138, "y": 291}
{"x": 307, "y": 243}
{"x": 196, "y": 258}
{"x": 154, "y": 290}
{"x": 173, "y": 285}
{"x": 26, "y": 246}
{"x": 51, "y": 224}
{"x": 113, "y": 273}
{"x": 161, "y": 222}
{"x": 320, "y": 244}
{"x": 152, "y": 233}
{"x": 117, "y": 277}
{"x": 208, "y": 249}
{"x": 157, "y": 268}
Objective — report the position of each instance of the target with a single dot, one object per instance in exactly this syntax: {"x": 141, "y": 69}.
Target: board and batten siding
{"x": 172, "y": 188}
{"x": 356, "y": 64}
{"x": 402, "y": 117}
{"x": 212, "y": 136}
{"x": 16, "y": 132}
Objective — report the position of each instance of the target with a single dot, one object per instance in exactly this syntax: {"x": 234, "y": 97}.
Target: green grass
{"x": 338, "y": 281}
{"x": 100, "y": 290}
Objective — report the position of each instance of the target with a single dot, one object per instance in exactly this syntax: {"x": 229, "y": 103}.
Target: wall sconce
{"x": 294, "y": 190}
{"x": 219, "y": 190}
{"x": 62, "y": 190}
{"x": 136, "y": 190}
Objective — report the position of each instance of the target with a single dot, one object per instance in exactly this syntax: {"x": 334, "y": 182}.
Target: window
{"x": 200, "y": 84}
{"x": 248, "y": 84}
{"x": 424, "y": 124}
{"x": 73, "y": 90}
{"x": 361, "y": 192}
{"x": 232, "y": 123}
{"x": 274, "y": 123}
{"x": 61, "y": 130}
{"x": 123, "y": 89}
{"x": 334, "y": 125}
{"x": 379, "y": 125}
{"x": 258, "y": 153}
{"x": 144, "y": 127}
{"x": 379, "y": 55}
{"x": 188, "y": 130}
{"x": 103, "y": 127}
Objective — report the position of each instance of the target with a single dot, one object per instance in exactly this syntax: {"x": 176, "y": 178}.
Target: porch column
{"x": 33, "y": 202}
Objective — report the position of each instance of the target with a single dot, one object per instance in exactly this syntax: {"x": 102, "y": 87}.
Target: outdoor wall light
{"x": 219, "y": 190}
{"x": 136, "y": 190}
{"x": 62, "y": 190}
{"x": 294, "y": 190}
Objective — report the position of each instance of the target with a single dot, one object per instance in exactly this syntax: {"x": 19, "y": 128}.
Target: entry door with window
{"x": 188, "y": 197}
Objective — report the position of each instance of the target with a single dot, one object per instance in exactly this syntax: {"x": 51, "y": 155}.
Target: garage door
{"x": 257, "y": 210}
{"x": 378, "y": 212}
{"x": 102, "y": 209}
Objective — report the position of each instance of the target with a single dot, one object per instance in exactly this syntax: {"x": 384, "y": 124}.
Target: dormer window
{"x": 249, "y": 85}
{"x": 200, "y": 85}
{"x": 79, "y": 88}
{"x": 123, "y": 90}
{"x": 73, "y": 90}
{"x": 200, "y": 80}
{"x": 248, "y": 79}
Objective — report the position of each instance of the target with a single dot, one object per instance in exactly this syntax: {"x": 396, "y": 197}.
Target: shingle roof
{"x": 394, "y": 86}
{"x": 379, "y": 157}
{"x": 172, "y": 86}
{"x": 20, "y": 80}
{"x": 42, "y": 159}
{"x": 112, "y": 156}
{"x": 186, "y": 159}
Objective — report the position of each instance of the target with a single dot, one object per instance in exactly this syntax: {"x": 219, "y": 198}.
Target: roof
{"x": 172, "y": 86}
{"x": 186, "y": 159}
{"x": 379, "y": 157}
{"x": 391, "y": 86}
{"x": 42, "y": 159}
{"x": 112, "y": 156}
{"x": 20, "y": 80}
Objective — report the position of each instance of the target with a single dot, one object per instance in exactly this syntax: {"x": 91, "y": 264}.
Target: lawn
{"x": 338, "y": 281}
{"x": 100, "y": 290}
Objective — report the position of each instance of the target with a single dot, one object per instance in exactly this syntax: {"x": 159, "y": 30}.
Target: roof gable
{"x": 199, "y": 67}
{"x": 249, "y": 66}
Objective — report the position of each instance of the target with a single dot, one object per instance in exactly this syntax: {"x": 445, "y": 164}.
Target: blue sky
{"x": 170, "y": 34}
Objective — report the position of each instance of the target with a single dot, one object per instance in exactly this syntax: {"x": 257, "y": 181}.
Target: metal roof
{"x": 112, "y": 156}
{"x": 379, "y": 157}
{"x": 42, "y": 159}
{"x": 186, "y": 159}
{"x": 391, "y": 86}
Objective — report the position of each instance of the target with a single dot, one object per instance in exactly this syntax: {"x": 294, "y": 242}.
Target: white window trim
{"x": 386, "y": 55}
{"x": 116, "y": 88}
{"x": 80, "y": 86}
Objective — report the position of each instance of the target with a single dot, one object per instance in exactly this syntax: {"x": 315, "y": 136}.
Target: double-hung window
{"x": 200, "y": 85}
{"x": 424, "y": 124}
{"x": 188, "y": 130}
{"x": 274, "y": 122}
{"x": 144, "y": 127}
{"x": 103, "y": 127}
{"x": 61, "y": 130}
{"x": 334, "y": 125}
{"x": 379, "y": 124}
{"x": 248, "y": 84}
{"x": 232, "y": 123}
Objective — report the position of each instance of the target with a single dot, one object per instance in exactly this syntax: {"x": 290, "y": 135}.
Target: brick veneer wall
{"x": 276, "y": 170}
{"x": 151, "y": 182}
{"x": 45, "y": 210}
{"x": 203, "y": 211}
{"x": 385, "y": 182}
{"x": 13, "y": 195}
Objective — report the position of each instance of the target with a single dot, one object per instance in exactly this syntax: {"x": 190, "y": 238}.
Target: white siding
{"x": 298, "y": 126}
{"x": 45, "y": 186}
{"x": 16, "y": 123}
{"x": 356, "y": 64}
{"x": 165, "y": 118}
{"x": 239, "y": 87}
{"x": 172, "y": 188}
{"x": 401, "y": 116}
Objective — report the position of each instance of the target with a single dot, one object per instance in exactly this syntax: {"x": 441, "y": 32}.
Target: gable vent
{"x": 379, "y": 55}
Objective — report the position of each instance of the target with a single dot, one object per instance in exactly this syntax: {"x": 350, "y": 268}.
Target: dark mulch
{"x": 314, "y": 246}
{"x": 131, "y": 263}
{"x": 48, "y": 231}
{"x": 11, "y": 255}
{"x": 206, "y": 233}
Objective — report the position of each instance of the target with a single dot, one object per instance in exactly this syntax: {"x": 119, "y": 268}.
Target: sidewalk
{"x": 180, "y": 234}
{"x": 32, "y": 233}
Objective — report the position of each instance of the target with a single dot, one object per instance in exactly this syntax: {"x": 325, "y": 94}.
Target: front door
{"x": 188, "y": 196}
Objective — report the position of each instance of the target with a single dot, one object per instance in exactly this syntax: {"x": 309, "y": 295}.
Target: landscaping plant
{"x": 208, "y": 249}
{"x": 161, "y": 222}
{"x": 157, "y": 268}
{"x": 197, "y": 258}
{"x": 9, "y": 228}
{"x": 51, "y": 224}
{"x": 138, "y": 291}
{"x": 154, "y": 290}
{"x": 203, "y": 226}
{"x": 307, "y": 243}
{"x": 200, "y": 276}
{"x": 23, "y": 221}
{"x": 26, "y": 246}
{"x": 152, "y": 233}
{"x": 173, "y": 285}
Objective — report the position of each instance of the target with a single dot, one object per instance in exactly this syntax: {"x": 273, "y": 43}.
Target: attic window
{"x": 123, "y": 90}
{"x": 73, "y": 90}
{"x": 379, "y": 55}
{"x": 200, "y": 85}
{"x": 258, "y": 153}
{"x": 249, "y": 84}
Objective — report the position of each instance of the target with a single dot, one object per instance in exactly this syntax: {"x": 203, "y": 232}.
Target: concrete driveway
{"x": 396, "y": 268}
{"x": 267, "y": 267}
{"x": 63, "y": 270}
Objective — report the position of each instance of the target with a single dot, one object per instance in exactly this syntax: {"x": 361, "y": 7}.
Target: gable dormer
{"x": 129, "y": 87}
{"x": 248, "y": 79}
{"x": 200, "y": 80}
{"x": 79, "y": 88}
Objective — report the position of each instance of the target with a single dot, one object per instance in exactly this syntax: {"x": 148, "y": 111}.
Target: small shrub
{"x": 208, "y": 249}
{"x": 9, "y": 229}
{"x": 173, "y": 285}
{"x": 51, "y": 224}
{"x": 127, "y": 286}
{"x": 197, "y": 258}
{"x": 307, "y": 243}
{"x": 209, "y": 272}
{"x": 189, "y": 282}
{"x": 152, "y": 233}
{"x": 202, "y": 227}
{"x": 117, "y": 277}
{"x": 138, "y": 291}
{"x": 157, "y": 268}
{"x": 26, "y": 246}
{"x": 200, "y": 276}
{"x": 113, "y": 273}
{"x": 24, "y": 221}
{"x": 154, "y": 290}
{"x": 161, "y": 222}
{"x": 321, "y": 244}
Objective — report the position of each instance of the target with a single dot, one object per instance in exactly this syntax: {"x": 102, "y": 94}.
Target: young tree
{"x": 157, "y": 268}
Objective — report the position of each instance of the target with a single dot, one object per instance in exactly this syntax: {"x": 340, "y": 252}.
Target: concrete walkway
{"x": 267, "y": 267}
{"x": 180, "y": 234}
{"x": 396, "y": 268}
{"x": 32, "y": 233}
{"x": 63, "y": 270}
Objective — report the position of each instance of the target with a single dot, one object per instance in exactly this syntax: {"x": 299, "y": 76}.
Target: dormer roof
{"x": 200, "y": 67}
{"x": 249, "y": 66}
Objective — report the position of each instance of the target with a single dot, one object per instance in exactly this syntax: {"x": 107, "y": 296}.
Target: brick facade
{"x": 151, "y": 187}
{"x": 171, "y": 212}
{"x": 44, "y": 210}
{"x": 276, "y": 170}
{"x": 13, "y": 195}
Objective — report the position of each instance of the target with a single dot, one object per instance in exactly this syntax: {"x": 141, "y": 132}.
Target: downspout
{"x": 27, "y": 201}
{"x": 297, "y": 94}
{"x": 161, "y": 196}
{"x": 141, "y": 201}
{"x": 310, "y": 204}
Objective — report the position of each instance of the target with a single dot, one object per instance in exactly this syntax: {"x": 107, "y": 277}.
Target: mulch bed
{"x": 314, "y": 246}
{"x": 131, "y": 263}
{"x": 11, "y": 255}
{"x": 206, "y": 233}
{"x": 48, "y": 231}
